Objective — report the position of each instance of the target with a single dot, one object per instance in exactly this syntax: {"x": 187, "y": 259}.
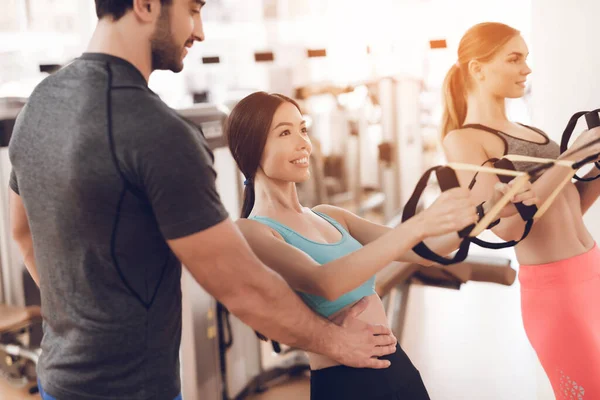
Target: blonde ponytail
{"x": 455, "y": 100}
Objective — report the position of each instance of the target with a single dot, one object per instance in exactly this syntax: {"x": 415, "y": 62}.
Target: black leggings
{"x": 401, "y": 381}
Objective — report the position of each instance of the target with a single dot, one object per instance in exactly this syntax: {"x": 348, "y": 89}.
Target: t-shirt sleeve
{"x": 13, "y": 183}
{"x": 175, "y": 167}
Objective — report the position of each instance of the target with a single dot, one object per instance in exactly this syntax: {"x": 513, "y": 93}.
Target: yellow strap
{"x": 497, "y": 208}
{"x": 521, "y": 178}
{"x": 565, "y": 163}
{"x": 489, "y": 170}
{"x": 493, "y": 213}
{"x": 544, "y": 207}
{"x": 518, "y": 158}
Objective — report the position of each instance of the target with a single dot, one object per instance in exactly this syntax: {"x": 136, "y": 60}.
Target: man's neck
{"x": 120, "y": 40}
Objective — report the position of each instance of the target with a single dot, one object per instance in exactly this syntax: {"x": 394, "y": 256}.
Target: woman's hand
{"x": 452, "y": 211}
{"x": 583, "y": 140}
{"x": 525, "y": 195}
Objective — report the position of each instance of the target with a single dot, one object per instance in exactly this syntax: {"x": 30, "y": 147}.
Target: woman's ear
{"x": 476, "y": 70}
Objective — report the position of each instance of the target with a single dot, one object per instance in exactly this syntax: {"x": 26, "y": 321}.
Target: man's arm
{"x": 22, "y": 234}
{"x": 221, "y": 261}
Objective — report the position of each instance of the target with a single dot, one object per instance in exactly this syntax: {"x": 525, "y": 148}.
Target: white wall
{"x": 566, "y": 79}
{"x": 470, "y": 344}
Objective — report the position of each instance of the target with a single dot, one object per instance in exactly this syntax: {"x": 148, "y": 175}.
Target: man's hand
{"x": 360, "y": 343}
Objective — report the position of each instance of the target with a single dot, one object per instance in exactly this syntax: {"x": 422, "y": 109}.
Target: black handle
{"x": 593, "y": 119}
{"x": 526, "y": 212}
{"x": 447, "y": 180}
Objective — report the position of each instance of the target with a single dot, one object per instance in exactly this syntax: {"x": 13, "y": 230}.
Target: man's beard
{"x": 165, "y": 53}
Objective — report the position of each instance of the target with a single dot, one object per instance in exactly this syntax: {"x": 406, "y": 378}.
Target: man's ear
{"x": 146, "y": 10}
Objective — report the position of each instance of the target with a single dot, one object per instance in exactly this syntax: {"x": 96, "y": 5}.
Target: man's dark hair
{"x": 117, "y": 8}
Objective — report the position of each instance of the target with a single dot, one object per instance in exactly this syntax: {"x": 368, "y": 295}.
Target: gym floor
{"x": 295, "y": 389}
{"x": 8, "y": 392}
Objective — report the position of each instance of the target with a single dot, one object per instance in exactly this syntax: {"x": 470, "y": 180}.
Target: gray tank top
{"x": 513, "y": 145}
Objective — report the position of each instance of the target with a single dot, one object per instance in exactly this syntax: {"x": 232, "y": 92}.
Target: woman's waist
{"x": 342, "y": 382}
{"x": 560, "y": 234}
{"x": 373, "y": 314}
{"x": 549, "y": 248}
{"x": 577, "y": 268}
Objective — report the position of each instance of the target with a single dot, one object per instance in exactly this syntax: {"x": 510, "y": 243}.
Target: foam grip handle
{"x": 526, "y": 212}
{"x": 593, "y": 119}
{"x": 448, "y": 180}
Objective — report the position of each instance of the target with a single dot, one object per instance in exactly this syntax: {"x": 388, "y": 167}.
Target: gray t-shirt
{"x": 107, "y": 172}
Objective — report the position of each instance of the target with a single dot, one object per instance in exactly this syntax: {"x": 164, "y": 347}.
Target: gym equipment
{"x": 20, "y": 336}
{"x": 393, "y": 282}
{"x": 209, "y": 357}
{"x": 593, "y": 120}
{"x": 447, "y": 180}
{"x": 20, "y": 315}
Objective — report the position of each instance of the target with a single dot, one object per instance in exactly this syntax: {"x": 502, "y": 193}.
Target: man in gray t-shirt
{"x": 111, "y": 191}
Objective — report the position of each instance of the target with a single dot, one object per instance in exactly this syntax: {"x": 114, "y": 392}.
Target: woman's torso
{"x": 374, "y": 314}
{"x": 560, "y": 234}
{"x": 315, "y": 234}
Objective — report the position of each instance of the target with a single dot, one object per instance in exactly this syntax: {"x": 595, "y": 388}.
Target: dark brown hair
{"x": 246, "y": 130}
{"x": 117, "y": 8}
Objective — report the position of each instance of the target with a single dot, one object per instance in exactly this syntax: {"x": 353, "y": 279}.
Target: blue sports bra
{"x": 324, "y": 253}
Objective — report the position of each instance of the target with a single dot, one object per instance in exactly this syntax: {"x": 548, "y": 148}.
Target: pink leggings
{"x": 560, "y": 303}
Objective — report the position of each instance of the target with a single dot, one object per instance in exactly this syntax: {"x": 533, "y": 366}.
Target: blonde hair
{"x": 481, "y": 42}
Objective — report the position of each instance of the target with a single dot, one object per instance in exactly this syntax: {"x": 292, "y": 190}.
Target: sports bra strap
{"x": 331, "y": 220}
{"x": 271, "y": 223}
